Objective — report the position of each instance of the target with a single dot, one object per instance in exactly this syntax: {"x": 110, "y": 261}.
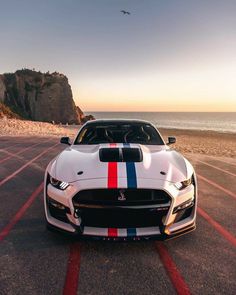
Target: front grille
{"x": 121, "y": 208}
{"x": 121, "y": 197}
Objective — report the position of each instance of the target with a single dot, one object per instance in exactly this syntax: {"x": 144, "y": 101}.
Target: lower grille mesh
{"x": 122, "y": 218}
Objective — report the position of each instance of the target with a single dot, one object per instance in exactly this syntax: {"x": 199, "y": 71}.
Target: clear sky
{"x": 168, "y": 55}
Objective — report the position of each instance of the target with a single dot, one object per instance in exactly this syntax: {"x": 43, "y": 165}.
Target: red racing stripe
{"x": 112, "y": 180}
{"x": 112, "y": 175}
{"x": 73, "y": 268}
{"x": 20, "y": 213}
{"x": 112, "y": 232}
{"x": 172, "y": 270}
{"x": 227, "y": 235}
{"x": 112, "y": 144}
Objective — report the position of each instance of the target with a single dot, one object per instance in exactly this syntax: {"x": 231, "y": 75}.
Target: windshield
{"x": 141, "y": 133}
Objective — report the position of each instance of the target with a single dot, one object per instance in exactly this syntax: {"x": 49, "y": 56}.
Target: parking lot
{"x": 36, "y": 261}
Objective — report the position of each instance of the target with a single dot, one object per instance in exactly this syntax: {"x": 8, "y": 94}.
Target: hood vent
{"x": 120, "y": 155}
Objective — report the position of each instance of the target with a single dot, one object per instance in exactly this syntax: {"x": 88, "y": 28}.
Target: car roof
{"x": 117, "y": 121}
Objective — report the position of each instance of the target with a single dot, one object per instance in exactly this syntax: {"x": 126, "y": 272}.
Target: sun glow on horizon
{"x": 210, "y": 89}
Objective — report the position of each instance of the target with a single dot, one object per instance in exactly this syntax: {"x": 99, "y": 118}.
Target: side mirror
{"x": 171, "y": 140}
{"x": 65, "y": 140}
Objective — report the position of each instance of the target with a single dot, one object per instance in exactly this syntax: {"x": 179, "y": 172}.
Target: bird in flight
{"x": 125, "y": 12}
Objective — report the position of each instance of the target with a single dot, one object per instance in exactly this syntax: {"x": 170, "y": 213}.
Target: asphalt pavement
{"x": 36, "y": 261}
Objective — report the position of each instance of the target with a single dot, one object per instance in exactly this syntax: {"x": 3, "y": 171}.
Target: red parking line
{"x": 73, "y": 268}
{"x": 226, "y": 162}
{"x": 228, "y": 192}
{"x": 21, "y": 151}
{"x": 20, "y": 213}
{"x": 220, "y": 169}
{"x": 226, "y": 234}
{"x": 177, "y": 280}
{"x": 25, "y": 165}
{"x": 3, "y": 149}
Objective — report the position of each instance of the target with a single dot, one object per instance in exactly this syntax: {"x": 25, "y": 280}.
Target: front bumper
{"x": 171, "y": 224}
{"x": 147, "y": 236}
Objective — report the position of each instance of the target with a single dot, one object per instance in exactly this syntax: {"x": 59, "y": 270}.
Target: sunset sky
{"x": 168, "y": 55}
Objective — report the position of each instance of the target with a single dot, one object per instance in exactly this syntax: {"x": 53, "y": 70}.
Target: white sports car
{"x": 119, "y": 180}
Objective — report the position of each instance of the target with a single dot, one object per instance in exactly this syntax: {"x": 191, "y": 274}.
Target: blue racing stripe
{"x": 131, "y": 232}
{"x": 131, "y": 172}
{"x": 131, "y": 175}
{"x": 126, "y": 144}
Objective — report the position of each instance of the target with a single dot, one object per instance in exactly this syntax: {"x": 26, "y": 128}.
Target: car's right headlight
{"x": 183, "y": 184}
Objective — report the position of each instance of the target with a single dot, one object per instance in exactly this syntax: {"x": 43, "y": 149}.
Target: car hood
{"x": 82, "y": 162}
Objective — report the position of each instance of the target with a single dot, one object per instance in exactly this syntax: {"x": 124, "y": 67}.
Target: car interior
{"x": 119, "y": 133}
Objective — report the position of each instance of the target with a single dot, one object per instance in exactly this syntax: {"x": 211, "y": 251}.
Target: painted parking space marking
{"x": 217, "y": 168}
{"x": 73, "y": 268}
{"x": 226, "y": 234}
{"x": 6, "y": 230}
{"x": 9, "y": 177}
{"x": 11, "y": 155}
{"x": 228, "y": 192}
{"x": 176, "y": 278}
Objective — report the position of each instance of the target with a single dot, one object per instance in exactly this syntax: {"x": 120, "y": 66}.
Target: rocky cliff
{"x": 39, "y": 96}
{"x": 2, "y": 89}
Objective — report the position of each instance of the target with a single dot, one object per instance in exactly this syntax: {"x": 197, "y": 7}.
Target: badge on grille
{"x": 121, "y": 196}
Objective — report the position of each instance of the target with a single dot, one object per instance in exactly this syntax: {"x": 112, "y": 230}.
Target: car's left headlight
{"x": 183, "y": 184}
{"x": 62, "y": 185}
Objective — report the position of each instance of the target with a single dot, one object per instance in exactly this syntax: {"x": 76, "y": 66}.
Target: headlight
{"x": 183, "y": 184}
{"x": 62, "y": 185}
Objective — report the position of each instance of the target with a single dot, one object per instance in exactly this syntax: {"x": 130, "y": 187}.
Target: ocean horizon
{"x": 212, "y": 121}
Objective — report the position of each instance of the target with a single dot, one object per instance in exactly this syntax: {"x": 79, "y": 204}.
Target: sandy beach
{"x": 14, "y": 127}
{"x": 188, "y": 141}
{"x": 203, "y": 142}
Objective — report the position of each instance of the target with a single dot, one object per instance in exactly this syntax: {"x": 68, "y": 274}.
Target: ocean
{"x": 221, "y": 122}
